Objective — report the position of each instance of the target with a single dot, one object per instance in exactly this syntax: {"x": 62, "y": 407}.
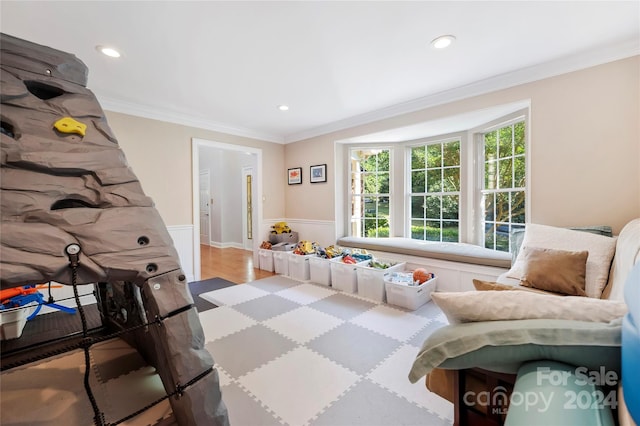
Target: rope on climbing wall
{"x": 86, "y": 341}
{"x": 73, "y": 251}
{"x": 90, "y": 341}
{"x": 178, "y": 391}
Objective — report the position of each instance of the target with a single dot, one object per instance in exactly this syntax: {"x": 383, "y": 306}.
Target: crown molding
{"x": 582, "y": 60}
{"x": 161, "y": 114}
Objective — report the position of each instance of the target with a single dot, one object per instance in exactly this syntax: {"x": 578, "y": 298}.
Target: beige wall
{"x": 585, "y": 142}
{"x": 160, "y": 155}
{"x": 584, "y": 147}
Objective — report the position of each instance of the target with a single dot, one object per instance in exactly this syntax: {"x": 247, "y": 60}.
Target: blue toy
{"x": 22, "y": 296}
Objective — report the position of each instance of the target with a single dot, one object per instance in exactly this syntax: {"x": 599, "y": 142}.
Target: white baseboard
{"x": 218, "y": 244}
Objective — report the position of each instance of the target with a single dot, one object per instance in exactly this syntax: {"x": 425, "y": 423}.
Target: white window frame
{"x": 349, "y": 195}
{"x": 440, "y": 139}
{"x": 476, "y": 134}
{"x": 471, "y": 178}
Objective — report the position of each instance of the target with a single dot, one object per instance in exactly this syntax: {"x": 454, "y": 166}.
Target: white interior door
{"x": 205, "y": 209}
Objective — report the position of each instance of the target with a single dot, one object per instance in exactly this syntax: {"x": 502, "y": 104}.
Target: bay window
{"x": 466, "y": 187}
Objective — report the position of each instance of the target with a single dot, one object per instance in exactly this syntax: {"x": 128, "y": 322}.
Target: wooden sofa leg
{"x": 457, "y": 397}
{"x": 481, "y": 397}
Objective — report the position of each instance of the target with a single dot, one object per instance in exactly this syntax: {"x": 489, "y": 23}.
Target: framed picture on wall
{"x": 295, "y": 176}
{"x": 318, "y": 173}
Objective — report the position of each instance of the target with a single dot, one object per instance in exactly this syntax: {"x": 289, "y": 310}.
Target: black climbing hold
{"x": 42, "y": 90}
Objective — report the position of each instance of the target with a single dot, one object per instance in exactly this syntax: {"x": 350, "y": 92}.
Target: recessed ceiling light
{"x": 109, "y": 51}
{"x": 283, "y": 107}
{"x": 443, "y": 41}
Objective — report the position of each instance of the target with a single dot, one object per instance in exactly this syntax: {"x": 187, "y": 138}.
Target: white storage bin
{"x": 320, "y": 270}
{"x": 407, "y": 296}
{"x": 283, "y": 247}
{"x": 371, "y": 280}
{"x": 344, "y": 276}
{"x": 299, "y": 266}
{"x": 266, "y": 259}
{"x": 281, "y": 262}
{"x": 285, "y": 237}
{"x": 12, "y": 321}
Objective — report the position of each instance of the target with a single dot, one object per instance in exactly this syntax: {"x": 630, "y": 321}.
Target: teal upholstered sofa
{"x": 563, "y": 371}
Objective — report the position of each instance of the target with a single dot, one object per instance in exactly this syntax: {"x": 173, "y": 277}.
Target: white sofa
{"x": 484, "y": 345}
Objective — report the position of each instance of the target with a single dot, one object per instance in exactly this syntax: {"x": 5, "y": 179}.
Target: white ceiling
{"x": 227, "y": 65}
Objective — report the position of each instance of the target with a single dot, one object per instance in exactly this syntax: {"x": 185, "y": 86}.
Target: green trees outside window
{"x": 435, "y": 191}
{"x": 494, "y": 163}
{"x": 504, "y": 184}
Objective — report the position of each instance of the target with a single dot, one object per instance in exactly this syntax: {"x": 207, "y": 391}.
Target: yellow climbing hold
{"x": 69, "y": 125}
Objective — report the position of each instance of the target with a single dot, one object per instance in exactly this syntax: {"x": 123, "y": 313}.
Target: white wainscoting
{"x": 183, "y": 241}
{"x": 63, "y": 295}
{"x": 452, "y": 276}
{"x": 321, "y": 231}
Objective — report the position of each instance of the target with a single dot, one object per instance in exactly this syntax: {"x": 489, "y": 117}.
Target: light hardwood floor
{"x": 235, "y": 265}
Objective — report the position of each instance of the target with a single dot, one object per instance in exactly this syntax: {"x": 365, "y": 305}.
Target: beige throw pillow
{"x": 489, "y": 286}
{"x": 559, "y": 271}
{"x": 493, "y": 286}
{"x": 600, "y": 248}
{"x": 475, "y": 306}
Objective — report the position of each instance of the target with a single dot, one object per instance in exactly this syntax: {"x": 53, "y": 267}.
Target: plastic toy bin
{"x": 344, "y": 276}
{"x": 265, "y": 258}
{"x": 12, "y": 321}
{"x": 409, "y": 296}
{"x": 281, "y": 262}
{"x": 371, "y": 280}
{"x": 320, "y": 270}
{"x": 299, "y": 266}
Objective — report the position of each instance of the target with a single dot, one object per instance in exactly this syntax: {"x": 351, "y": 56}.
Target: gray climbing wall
{"x": 65, "y": 180}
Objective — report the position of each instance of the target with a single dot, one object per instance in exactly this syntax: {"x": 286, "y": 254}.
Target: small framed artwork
{"x": 318, "y": 173}
{"x": 295, "y": 176}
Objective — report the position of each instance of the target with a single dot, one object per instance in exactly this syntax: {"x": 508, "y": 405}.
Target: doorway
{"x": 205, "y": 197}
{"x": 232, "y": 207}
